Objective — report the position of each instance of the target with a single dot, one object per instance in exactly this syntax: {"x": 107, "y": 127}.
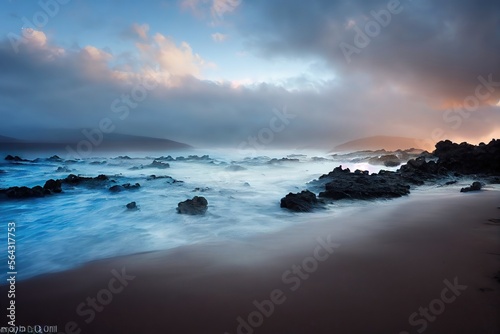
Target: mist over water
{"x": 83, "y": 223}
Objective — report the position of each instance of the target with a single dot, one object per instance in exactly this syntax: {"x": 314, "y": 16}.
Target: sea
{"x": 83, "y": 224}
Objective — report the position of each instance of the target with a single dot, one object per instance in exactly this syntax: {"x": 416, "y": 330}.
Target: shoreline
{"x": 391, "y": 260}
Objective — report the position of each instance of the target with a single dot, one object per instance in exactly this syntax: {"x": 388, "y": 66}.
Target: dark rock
{"x": 194, "y": 158}
{"x": 235, "y": 168}
{"x": 389, "y": 160}
{"x": 196, "y": 206}
{"x": 126, "y": 186}
{"x": 158, "y": 164}
{"x": 342, "y": 184}
{"x": 132, "y": 206}
{"x": 63, "y": 169}
{"x": 74, "y": 179}
{"x": 167, "y": 158}
{"x": 468, "y": 159}
{"x": 449, "y": 183}
{"x": 25, "y": 192}
{"x": 304, "y": 201}
{"x": 55, "y": 158}
{"x": 202, "y": 190}
{"x": 53, "y": 186}
{"x": 129, "y": 186}
{"x": 14, "y": 158}
{"x": 116, "y": 188}
{"x": 475, "y": 186}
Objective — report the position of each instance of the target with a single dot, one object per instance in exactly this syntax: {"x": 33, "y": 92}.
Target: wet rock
{"x": 475, "y": 186}
{"x": 342, "y": 184}
{"x": 25, "y": 192}
{"x": 132, "y": 206}
{"x": 235, "y": 168}
{"x": 126, "y": 186}
{"x": 54, "y": 186}
{"x": 15, "y": 158}
{"x": 167, "y": 158}
{"x": 389, "y": 160}
{"x": 158, "y": 164}
{"x": 55, "y": 158}
{"x": 194, "y": 158}
{"x": 196, "y": 206}
{"x": 304, "y": 201}
{"x": 63, "y": 169}
{"x": 76, "y": 179}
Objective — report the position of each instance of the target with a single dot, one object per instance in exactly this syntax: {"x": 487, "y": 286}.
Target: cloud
{"x": 173, "y": 59}
{"x": 216, "y": 8}
{"x": 434, "y": 49}
{"x": 141, "y": 30}
{"x": 218, "y": 37}
{"x": 46, "y": 88}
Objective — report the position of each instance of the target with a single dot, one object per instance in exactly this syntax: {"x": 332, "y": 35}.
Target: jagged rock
{"x": 194, "y": 158}
{"x": 55, "y": 158}
{"x": 158, "y": 164}
{"x": 74, "y": 179}
{"x": 342, "y": 184}
{"x": 63, "y": 169}
{"x": 53, "y": 186}
{"x": 475, "y": 186}
{"x": 196, "y": 206}
{"x": 305, "y": 201}
{"x": 14, "y": 158}
{"x": 25, "y": 192}
{"x": 167, "y": 158}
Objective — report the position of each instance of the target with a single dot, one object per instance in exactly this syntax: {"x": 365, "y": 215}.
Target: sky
{"x": 258, "y": 73}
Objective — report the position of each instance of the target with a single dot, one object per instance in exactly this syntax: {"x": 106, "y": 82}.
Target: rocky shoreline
{"x": 448, "y": 162}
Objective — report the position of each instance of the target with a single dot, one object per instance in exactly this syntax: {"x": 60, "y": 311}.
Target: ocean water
{"x": 83, "y": 224}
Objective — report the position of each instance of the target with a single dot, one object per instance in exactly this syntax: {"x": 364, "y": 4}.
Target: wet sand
{"x": 364, "y": 271}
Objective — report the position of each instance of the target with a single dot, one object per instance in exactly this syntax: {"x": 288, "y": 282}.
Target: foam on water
{"x": 83, "y": 224}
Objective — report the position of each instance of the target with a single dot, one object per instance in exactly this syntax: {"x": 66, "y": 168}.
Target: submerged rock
{"x": 63, "y": 169}
{"x": 158, "y": 164}
{"x": 196, "y": 206}
{"x": 126, "y": 186}
{"x": 475, "y": 186}
{"x": 305, "y": 201}
{"x": 76, "y": 179}
{"x": 235, "y": 168}
{"x": 278, "y": 161}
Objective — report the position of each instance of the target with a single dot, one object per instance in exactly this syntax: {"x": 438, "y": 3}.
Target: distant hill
{"x": 388, "y": 143}
{"x": 110, "y": 142}
{"x": 4, "y": 139}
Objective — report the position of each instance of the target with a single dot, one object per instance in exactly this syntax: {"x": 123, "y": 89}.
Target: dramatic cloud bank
{"x": 424, "y": 69}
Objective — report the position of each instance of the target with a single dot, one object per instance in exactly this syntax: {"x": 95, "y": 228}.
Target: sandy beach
{"x": 412, "y": 265}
